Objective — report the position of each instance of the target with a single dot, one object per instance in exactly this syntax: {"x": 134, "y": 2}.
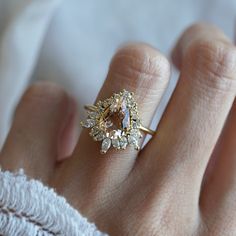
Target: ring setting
{"x": 115, "y": 122}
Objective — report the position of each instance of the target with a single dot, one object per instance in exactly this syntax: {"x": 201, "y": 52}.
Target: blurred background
{"x": 72, "y": 42}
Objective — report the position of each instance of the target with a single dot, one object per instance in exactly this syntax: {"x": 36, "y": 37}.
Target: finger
{"x": 137, "y": 68}
{"x": 39, "y": 121}
{"x": 194, "y": 118}
{"x": 190, "y": 36}
{"x": 219, "y": 188}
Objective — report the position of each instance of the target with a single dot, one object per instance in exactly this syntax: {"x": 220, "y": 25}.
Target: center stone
{"x": 118, "y": 120}
{"x": 126, "y": 115}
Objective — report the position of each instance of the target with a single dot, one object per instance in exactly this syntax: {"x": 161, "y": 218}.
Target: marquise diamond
{"x": 116, "y": 143}
{"x": 106, "y": 144}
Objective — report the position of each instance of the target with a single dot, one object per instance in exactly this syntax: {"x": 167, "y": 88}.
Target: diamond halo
{"x": 114, "y": 122}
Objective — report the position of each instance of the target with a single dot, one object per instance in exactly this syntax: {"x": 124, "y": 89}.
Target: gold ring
{"x": 115, "y": 122}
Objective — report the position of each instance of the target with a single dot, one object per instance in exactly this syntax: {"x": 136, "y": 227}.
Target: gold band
{"x": 144, "y": 129}
{"x": 147, "y": 130}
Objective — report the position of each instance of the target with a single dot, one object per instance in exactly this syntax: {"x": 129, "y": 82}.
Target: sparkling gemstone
{"x": 105, "y": 104}
{"x": 100, "y": 109}
{"x": 115, "y": 134}
{"x": 115, "y": 122}
{"x": 94, "y": 130}
{"x": 126, "y": 119}
{"x": 126, "y": 94}
{"x": 131, "y": 104}
{"x": 106, "y": 144}
{"x": 136, "y": 133}
{"x": 132, "y": 140}
{"x": 100, "y": 136}
{"x": 92, "y": 114}
{"x": 136, "y": 124}
{"x": 108, "y": 123}
{"x": 116, "y": 97}
{"x": 134, "y": 116}
{"x": 88, "y": 123}
{"x": 99, "y": 103}
{"x": 116, "y": 143}
{"x": 115, "y": 105}
{"x": 123, "y": 142}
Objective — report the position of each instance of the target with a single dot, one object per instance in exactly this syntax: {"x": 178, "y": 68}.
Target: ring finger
{"x": 137, "y": 68}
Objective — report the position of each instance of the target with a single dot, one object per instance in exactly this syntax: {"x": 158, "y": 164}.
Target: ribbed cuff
{"x": 27, "y": 207}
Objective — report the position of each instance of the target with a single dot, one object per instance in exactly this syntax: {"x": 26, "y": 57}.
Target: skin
{"x": 183, "y": 182}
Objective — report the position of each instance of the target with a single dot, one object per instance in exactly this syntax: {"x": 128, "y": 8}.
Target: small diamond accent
{"x": 115, "y": 134}
{"x": 114, "y": 105}
{"x": 116, "y": 143}
{"x": 92, "y": 114}
{"x": 123, "y": 142}
{"x": 89, "y": 123}
{"x": 94, "y": 131}
{"x": 100, "y": 136}
{"x": 108, "y": 124}
{"x": 106, "y": 144}
{"x": 134, "y": 116}
{"x": 132, "y": 139}
{"x": 136, "y": 124}
{"x": 136, "y": 133}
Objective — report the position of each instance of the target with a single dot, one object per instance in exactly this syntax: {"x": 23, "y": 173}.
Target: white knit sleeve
{"x": 27, "y": 207}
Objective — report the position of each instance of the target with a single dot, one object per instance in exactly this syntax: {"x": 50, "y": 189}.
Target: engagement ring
{"x": 115, "y": 122}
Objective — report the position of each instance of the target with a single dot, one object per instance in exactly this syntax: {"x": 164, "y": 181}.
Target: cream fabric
{"x": 29, "y": 208}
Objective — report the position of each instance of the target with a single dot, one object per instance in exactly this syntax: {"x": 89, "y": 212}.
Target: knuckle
{"x": 139, "y": 61}
{"x": 213, "y": 61}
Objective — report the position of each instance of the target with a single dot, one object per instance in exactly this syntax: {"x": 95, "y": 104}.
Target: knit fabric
{"x": 27, "y": 207}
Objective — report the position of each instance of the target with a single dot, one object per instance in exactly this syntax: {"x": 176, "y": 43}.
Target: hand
{"x": 160, "y": 189}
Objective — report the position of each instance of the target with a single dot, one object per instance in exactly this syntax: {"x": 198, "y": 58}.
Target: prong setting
{"x": 115, "y": 122}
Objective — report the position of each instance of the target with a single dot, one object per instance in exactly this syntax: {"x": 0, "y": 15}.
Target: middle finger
{"x": 197, "y": 111}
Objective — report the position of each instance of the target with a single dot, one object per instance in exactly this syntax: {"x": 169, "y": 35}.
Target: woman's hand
{"x": 160, "y": 189}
